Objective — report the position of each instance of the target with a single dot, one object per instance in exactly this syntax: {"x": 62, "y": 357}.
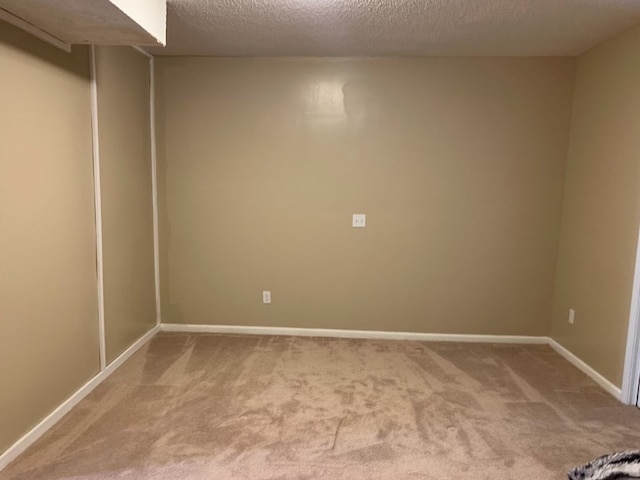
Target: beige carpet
{"x": 242, "y": 407}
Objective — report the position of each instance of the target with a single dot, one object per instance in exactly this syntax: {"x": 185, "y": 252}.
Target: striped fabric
{"x": 617, "y": 466}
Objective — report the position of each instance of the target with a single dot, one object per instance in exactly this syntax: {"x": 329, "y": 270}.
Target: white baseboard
{"x": 124, "y": 356}
{"x": 364, "y": 334}
{"x": 384, "y": 335}
{"x": 589, "y": 371}
{"x": 36, "y": 432}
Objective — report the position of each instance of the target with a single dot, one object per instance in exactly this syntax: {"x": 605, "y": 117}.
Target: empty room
{"x": 319, "y": 239}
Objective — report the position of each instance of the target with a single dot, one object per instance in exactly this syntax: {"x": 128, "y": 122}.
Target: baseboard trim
{"x": 124, "y": 356}
{"x": 36, "y": 432}
{"x": 337, "y": 333}
{"x": 586, "y": 369}
{"x": 50, "y": 420}
{"x": 388, "y": 335}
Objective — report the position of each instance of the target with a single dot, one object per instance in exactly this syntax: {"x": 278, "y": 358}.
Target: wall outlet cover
{"x": 359, "y": 220}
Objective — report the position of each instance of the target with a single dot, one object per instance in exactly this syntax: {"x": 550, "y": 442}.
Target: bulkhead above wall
{"x": 98, "y": 22}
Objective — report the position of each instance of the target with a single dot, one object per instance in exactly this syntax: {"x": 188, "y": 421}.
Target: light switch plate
{"x": 359, "y": 220}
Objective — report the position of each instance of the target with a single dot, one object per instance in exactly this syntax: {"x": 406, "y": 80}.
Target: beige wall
{"x": 601, "y": 210}
{"x": 458, "y": 163}
{"x": 48, "y": 296}
{"x": 127, "y": 209}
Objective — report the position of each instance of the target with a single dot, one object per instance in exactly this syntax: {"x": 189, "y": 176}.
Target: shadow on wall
{"x": 20, "y": 40}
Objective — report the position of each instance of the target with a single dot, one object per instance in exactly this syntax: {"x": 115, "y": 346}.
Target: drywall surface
{"x": 601, "y": 210}
{"x": 458, "y": 163}
{"x": 127, "y": 209}
{"x": 149, "y": 14}
{"x": 48, "y": 295}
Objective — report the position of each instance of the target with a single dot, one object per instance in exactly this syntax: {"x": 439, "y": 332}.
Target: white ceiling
{"x": 393, "y": 27}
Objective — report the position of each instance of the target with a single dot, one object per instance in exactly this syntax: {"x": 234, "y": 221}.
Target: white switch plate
{"x": 359, "y": 220}
{"x": 572, "y": 316}
{"x": 266, "y": 296}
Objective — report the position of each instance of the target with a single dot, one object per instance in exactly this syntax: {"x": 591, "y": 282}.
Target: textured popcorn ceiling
{"x": 81, "y": 21}
{"x": 393, "y": 27}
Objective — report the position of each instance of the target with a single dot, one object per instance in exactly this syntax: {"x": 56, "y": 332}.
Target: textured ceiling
{"x": 393, "y": 27}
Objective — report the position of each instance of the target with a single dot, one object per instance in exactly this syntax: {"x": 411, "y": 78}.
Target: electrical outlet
{"x": 359, "y": 220}
{"x": 266, "y": 296}
{"x": 572, "y": 316}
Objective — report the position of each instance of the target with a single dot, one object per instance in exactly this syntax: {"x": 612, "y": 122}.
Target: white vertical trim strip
{"x": 154, "y": 179}
{"x": 98, "y": 207}
{"x": 154, "y": 184}
{"x": 33, "y": 30}
{"x": 143, "y": 51}
{"x": 631, "y": 375}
